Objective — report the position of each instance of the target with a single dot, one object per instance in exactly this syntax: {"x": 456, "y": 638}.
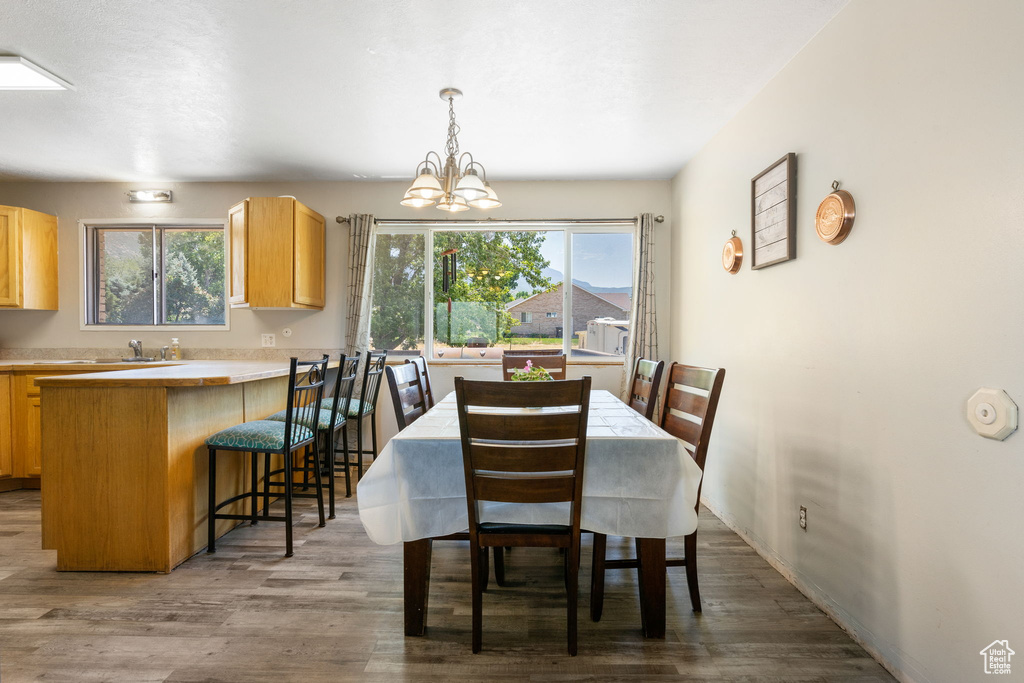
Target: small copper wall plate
{"x": 835, "y": 216}
{"x": 732, "y": 255}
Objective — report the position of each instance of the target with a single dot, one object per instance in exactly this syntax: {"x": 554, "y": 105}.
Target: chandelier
{"x": 455, "y": 184}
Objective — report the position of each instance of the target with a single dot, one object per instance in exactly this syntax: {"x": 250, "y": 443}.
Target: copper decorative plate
{"x": 732, "y": 254}
{"x": 835, "y": 216}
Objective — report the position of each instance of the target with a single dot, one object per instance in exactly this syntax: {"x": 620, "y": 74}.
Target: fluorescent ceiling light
{"x": 150, "y": 196}
{"x": 17, "y": 73}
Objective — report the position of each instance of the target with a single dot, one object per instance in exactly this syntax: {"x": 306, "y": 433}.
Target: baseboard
{"x": 13, "y": 484}
{"x": 902, "y": 668}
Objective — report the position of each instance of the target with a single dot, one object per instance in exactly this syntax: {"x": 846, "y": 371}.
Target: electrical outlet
{"x": 803, "y": 518}
{"x": 269, "y": 340}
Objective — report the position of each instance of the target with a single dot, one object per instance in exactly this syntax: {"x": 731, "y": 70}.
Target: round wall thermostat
{"x": 732, "y": 254}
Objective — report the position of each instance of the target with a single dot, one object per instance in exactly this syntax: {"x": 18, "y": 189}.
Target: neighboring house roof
{"x": 621, "y": 300}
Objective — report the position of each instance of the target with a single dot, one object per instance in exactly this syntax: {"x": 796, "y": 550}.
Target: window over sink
{"x": 155, "y": 275}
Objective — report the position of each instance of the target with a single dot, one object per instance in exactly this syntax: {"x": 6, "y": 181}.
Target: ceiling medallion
{"x": 450, "y": 184}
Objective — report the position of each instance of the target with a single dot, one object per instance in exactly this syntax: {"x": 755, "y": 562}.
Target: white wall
{"x": 848, "y": 369}
{"x": 74, "y": 201}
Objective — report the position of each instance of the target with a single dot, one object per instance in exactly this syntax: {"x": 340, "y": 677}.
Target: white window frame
{"x": 551, "y": 314}
{"x": 526, "y": 317}
{"x": 569, "y": 228}
{"x": 85, "y": 270}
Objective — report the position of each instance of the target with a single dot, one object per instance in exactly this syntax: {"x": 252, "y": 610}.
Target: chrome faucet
{"x": 136, "y": 346}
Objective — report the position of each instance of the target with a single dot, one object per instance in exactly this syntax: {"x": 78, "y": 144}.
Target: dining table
{"x": 638, "y": 481}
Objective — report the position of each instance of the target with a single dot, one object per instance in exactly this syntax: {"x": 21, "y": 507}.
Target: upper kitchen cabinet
{"x": 277, "y": 250}
{"x": 28, "y": 259}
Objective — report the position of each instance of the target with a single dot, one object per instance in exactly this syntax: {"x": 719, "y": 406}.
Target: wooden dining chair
{"x": 521, "y": 457}
{"x": 421, "y": 365}
{"x": 555, "y": 365}
{"x": 643, "y": 390}
{"x": 406, "y": 393}
{"x": 692, "y": 392}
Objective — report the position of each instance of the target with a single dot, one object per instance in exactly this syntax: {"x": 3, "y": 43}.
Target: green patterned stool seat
{"x": 259, "y": 436}
{"x": 323, "y": 421}
{"x": 355, "y": 407}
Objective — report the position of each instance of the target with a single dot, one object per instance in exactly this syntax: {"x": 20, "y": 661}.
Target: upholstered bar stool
{"x": 272, "y": 437}
{"x": 365, "y": 407}
{"x": 329, "y": 421}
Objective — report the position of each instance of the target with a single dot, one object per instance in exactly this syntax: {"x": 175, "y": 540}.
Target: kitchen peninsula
{"x": 124, "y": 465}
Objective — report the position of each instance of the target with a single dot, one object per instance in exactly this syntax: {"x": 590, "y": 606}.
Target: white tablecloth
{"x": 638, "y": 480}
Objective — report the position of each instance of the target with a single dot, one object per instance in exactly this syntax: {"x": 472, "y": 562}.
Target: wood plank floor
{"x": 333, "y": 612}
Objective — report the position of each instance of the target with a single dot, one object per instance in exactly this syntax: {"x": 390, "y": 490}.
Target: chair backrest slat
{"x": 554, "y": 364}
{"x": 344, "y": 382}
{"x": 523, "y": 442}
{"x": 534, "y": 352}
{"x": 558, "y": 489}
{"x": 373, "y": 373}
{"x": 305, "y": 391}
{"x": 543, "y": 427}
{"x": 428, "y": 392}
{"x": 643, "y": 393}
{"x": 523, "y": 458}
{"x": 406, "y": 393}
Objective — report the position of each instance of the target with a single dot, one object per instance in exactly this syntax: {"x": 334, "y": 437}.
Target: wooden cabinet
{"x": 6, "y": 454}
{"x": 276, "y": 254}
{"x": 28, "y": 259}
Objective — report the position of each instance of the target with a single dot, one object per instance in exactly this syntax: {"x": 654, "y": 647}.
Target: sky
{"x": 602, "y": 259}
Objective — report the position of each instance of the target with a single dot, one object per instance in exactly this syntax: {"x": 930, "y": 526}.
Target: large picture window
{"x": 155, "y": 275}
{"x": 507, "y": 291}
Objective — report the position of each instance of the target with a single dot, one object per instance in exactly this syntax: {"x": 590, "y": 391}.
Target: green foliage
{"x": 490, "y": 264}
{"x": 193, "y": 276}
{"x": 397, "y": 321}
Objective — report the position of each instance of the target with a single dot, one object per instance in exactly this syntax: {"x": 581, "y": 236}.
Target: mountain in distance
{"x": 556, "y": 276}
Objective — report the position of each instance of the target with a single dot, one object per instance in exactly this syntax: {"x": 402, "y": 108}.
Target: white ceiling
{"x": 204, "y": 90}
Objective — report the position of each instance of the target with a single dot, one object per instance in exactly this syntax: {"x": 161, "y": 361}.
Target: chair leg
{"x": 499, "y": 565}
{"x": 328, "y": 450}
{"x": 288, "y": 483}
{"x": 573, "y": 557}
{"x": 690, "y": 546}
{"x": 478, "y": 597}
{"x": 319, "y": 483}
{"x": 597, "y": 577}
{"x": 348, "y": 472}
{"x": 211, "y": 526}
{"x": 266, "y": 483}
{"x": 373, "y": 436}
{"x": 254, "y": 487}
{"x": 359, "y": 447}
{"x": 485, "y": 569}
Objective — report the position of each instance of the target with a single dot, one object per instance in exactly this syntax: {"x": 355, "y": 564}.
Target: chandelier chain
{"x": 452, "y": 147}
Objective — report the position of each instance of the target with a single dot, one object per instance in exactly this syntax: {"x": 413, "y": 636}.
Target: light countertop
{"x": 159, "y": 374}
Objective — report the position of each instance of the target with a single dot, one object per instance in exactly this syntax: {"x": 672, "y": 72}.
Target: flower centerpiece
{"x": 531, "y": 374}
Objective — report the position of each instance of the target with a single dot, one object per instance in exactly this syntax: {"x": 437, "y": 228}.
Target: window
{"x": 507, "y": 291}
{"x": 155, "y": 275}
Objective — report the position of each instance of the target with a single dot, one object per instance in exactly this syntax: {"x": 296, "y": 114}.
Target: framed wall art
{"x": 773, "y": 214}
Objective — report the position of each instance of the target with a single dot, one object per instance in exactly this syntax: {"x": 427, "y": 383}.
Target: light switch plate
{"x": 269, "y": 340}
{"x": 992, "y": 413}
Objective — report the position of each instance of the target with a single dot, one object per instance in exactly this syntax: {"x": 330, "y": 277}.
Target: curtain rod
{"x": 508, "y": 221}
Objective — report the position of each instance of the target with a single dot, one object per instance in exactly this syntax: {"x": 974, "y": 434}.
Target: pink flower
{"x": 529, "y": 365}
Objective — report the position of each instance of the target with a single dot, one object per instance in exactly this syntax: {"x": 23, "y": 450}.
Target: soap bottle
{"x": 175, "y": 349}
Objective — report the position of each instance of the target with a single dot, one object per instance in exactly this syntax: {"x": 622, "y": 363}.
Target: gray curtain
{"x": 643, "y": 319}
{"x": 362, "y": 239}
